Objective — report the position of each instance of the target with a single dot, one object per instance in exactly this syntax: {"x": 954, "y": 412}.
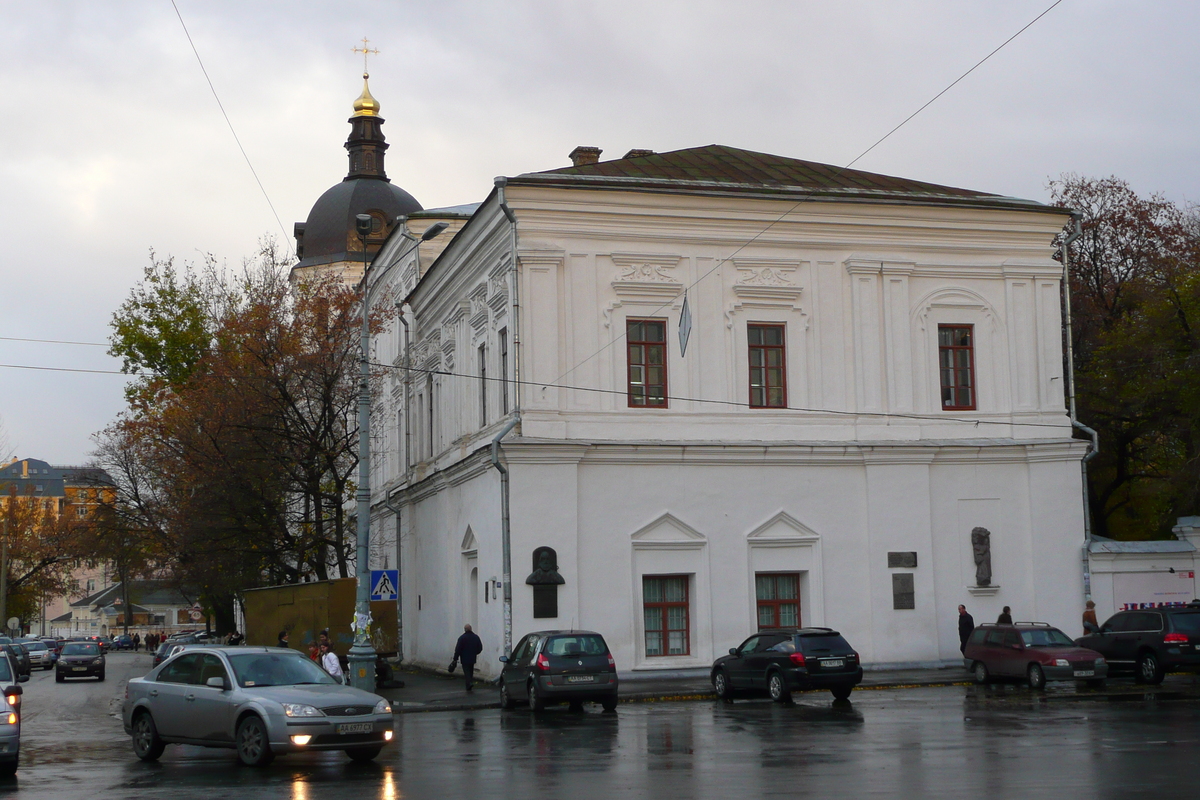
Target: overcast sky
{"x": 111, "y": 142}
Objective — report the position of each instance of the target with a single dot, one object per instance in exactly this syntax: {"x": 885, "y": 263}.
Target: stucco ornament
{"x": 545, "y": 568}
{"x": 981, "y": 547}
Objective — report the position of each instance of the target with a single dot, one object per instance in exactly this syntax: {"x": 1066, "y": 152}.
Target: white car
{"x": 39, "y": 654}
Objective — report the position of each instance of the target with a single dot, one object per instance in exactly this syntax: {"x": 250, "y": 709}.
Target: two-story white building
{"x": 873, "y": 369}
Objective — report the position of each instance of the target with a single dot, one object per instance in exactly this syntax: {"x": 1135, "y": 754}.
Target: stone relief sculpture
{"x": 981, "y": 547}
{"x": 545, "y": 581}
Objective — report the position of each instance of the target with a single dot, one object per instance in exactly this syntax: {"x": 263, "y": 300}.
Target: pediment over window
{"x": 469, "y": 544}
{"x": 668, "y": 533}
{"x": 782, "y": 529}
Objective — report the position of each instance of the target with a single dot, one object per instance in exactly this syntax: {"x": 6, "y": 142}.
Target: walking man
{"x": 137, "y": 642}
{"x": 465, "y": 651}
{"x": 966, "y": 624}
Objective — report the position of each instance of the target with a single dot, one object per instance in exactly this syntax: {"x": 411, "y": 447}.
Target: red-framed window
{"x": 646, "y": 346}
{"x": 768, "y": 366}
{"x": 778, "y": 598}
{"x": 956, "y": 364}
{"x": 665, "y": 608}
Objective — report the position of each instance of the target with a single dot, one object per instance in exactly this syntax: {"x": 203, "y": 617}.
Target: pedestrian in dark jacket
{"x": 465, "y": 651}
{"x": 137, "y": 643}
{"x": 966, "y": 624}
{"x": 283, "y": 642}
{"x": 1005, "y": 617}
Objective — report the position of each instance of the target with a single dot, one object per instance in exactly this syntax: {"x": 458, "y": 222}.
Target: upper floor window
{"x": 768, "y": 366}
{"x": 956, "y": 365}
{"x": 503, "y": 342}
{"x": 646, "y": 344}
{"x": 482, "y": 385}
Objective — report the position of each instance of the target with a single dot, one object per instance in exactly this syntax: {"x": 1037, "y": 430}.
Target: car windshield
{"x": 576, "y": 645}
{"x": 81, "y": 649}
{"x": 276, "y": 669}
{"x": 1046, "y": 637}
{"x": 36, "y": 646}
{"x": 1187, "y": 623}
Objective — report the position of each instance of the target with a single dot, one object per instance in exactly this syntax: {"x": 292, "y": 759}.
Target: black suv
{"x": 1149, "y": 642}
{"x": 781, "y": 661}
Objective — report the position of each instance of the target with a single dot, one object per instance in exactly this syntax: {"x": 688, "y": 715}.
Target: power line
{"x": 806, "y": 198}
{"x": 76, "y": 369}
{"x": 51, "y": 341}
{"x": 221, "y": 106}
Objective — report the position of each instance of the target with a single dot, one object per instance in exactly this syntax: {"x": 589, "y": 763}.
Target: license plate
{"x": 580, "y": 678}
{"x": 834, "y": 663}
{"x": 79, "y": 669}
{"x": 355, "y": 727}
{"x": 1085, "y": 673}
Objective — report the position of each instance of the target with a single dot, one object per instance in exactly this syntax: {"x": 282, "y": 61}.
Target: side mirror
{"x": 217, "y": 683}
{"x": 15, "y": 690}
{"x": 1106, "y": 629}
{"x": 733, "y": 651}
{"x": 23, "y": 678}
{"x": 504, "y": 659}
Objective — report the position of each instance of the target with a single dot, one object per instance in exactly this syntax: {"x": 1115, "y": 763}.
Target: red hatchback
{"x": 1033, "y": 651}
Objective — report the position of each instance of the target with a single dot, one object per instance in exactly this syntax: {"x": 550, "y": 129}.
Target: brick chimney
{"x": 584, "y": 155}
{"x": 635, "y": 153}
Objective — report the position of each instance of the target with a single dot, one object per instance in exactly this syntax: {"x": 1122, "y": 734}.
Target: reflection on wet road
{"x": 956, "y": 742}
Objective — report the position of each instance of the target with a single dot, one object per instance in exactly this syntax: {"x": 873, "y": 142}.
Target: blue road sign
{"x": 383, "y": 584}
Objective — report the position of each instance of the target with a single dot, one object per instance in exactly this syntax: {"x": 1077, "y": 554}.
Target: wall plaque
{"x": 903, "y": 591}
{"x": 903, "y": 560}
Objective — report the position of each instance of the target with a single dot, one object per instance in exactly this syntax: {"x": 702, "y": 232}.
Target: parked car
{"x": 39, "y": 654}
{"x": 170, "y": 648}
{"x": 262, "y": 701}
{"x": 1149, "y": 643}
{"x": 80, "y": 660}
{"x": 20, "y": 657}
{"x": 122, "y": 642}
{"x": 780, "y": 661}
{"x": 53, "y": 645}
{"x": 1031, "y": 650}
{"x": 549, "y": 667}
{"x": 10, "y": 738}
{"x": 10, "y": 681}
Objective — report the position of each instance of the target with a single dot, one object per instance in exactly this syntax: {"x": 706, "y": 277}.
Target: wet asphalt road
{"x": 960, "y": 742}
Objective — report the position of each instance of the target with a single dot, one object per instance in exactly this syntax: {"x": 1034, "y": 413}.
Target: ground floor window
{"x": 778, "y": 597}
{"x": 665, "y": 607}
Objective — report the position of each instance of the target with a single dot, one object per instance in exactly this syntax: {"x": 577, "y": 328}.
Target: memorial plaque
{"x": 904, "y": 560}
{"x": 903, "y": 591}
{"x": 545, "y": 601}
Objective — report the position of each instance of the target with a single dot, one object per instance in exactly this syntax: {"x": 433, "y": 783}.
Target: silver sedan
{"x": 262, "y": 701}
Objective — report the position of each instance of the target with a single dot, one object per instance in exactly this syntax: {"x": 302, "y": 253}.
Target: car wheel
{"x": 980, "y": 671}
{"x": 842, "y": 692}
{"x": 506, "y": 701}
{"x": 536, "y": 703}
{"x": 362, "y": 755}
{"x": 778, "y": 688}
{"x": 58, "y": 678}
{"x": 1149, "y": 670}
{"x": 1036, "y": 677}
{"x": 609, "y": 704}
{"x": 100, "y": 676}
{"x": 253, "y": 745}
{"x": 721, "y": 685}
{"x": 146, "y": 744}
{"x": 8, "y": 768}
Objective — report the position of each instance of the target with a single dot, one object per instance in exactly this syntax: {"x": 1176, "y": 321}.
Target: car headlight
{"x": 1061, "y": 662}
{"x": 300, "y": 710}
{"x": 98, "y": 661}
{"x": 383, "y": 707}
{"x": 1100, "y": 662}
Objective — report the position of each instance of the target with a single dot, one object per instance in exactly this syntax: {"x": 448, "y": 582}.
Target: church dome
{"x": 328, "y": 235}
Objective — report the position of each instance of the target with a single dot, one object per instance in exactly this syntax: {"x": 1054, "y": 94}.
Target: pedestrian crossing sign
{"x": 383, "y": 584}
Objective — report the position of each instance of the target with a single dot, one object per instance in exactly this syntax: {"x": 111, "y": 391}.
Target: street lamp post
{"x": 362, "y": 652}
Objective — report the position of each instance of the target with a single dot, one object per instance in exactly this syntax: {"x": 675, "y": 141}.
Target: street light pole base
{"x": 362, "y": 667}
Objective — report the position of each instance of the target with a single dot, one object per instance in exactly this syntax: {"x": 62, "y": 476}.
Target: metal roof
{"x": 1100, "y": 544}
{"x": 730, "y": 169}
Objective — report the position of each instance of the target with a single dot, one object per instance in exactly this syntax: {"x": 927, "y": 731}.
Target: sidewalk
{"x": 428, "y": 690}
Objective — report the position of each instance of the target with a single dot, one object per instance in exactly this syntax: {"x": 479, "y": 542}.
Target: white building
{"x": 682, "y": 496}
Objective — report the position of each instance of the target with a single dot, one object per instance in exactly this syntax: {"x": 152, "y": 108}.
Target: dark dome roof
{"x": 328, "y": 235}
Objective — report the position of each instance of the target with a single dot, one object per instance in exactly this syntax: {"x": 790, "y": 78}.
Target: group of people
{"x": 966, "y": 623}
{"x": 320, "y": 651}
{"x": 151, "y": 640}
